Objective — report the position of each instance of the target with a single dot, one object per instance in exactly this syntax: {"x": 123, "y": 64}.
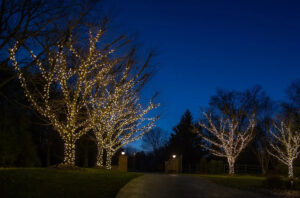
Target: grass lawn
{"x": 56, "y": 183}
{"x": 238, "y": 181}
{"x": 246, "y": 182}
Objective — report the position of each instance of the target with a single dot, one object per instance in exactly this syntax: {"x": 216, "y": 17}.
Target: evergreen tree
{"x": 186, "y": 142}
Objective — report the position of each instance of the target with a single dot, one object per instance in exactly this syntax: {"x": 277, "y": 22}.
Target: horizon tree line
{"x": 240, "y": 123}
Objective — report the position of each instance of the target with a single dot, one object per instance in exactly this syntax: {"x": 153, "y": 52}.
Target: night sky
{"x": 204, "y": 45}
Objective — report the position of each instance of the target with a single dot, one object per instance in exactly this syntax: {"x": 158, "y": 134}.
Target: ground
{"x": 245, "y": 182}
{"x": 51, "y": 182}
{"x": 94, "y": 183}
{"x": 163, "y": 186}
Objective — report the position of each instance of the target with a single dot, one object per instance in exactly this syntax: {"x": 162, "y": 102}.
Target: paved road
{"x": 179, "y": 186}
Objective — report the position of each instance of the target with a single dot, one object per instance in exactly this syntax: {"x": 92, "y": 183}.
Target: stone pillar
{"x": 123, "y": 163}
{"x": 174, "y": 165}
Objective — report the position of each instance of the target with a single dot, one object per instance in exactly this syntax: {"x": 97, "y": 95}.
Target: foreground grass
{"x": 238, "y": 181}
{"x": 44, "y": 182}
{"x": 246, "y": 182}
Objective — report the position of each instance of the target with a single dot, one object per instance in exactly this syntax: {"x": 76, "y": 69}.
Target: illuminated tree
{"x": 285, "y": 145}
{"x": 117, "y": 114}
{"x": 35, "y": 22}
{"x": 67, "y": 77}
{"x": 227, "y": 137}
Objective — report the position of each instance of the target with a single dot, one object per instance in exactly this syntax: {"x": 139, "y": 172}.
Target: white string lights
{"x": 68, "y": 79}
{"x": 118, "y": 117}
{"x": 285, "y": 145}
{"x": 229, "y": 139}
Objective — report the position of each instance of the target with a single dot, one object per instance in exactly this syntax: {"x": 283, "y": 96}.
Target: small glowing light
{"x": 122, "y": 153}
{"x": 173, "y": 156}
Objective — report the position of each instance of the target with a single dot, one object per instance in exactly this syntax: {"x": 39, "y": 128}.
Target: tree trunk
{"x": 100, "y": 156}
{"x": 265, "y": 165}
{"x": 231, "y": 162}
{"x": 291, "y": 169}
{"x": 109, "y": 155}
{"x": 69, "y": 152}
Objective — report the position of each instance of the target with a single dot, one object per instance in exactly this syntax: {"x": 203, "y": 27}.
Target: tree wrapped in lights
{"x": 67, "y": 78}
{"x": 227, "y": 137}
{"x": 285, "y": 144}
{"x": 117, "y": 114}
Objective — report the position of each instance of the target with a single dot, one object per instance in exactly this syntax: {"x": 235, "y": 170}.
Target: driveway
{"x": 179, "y": 186}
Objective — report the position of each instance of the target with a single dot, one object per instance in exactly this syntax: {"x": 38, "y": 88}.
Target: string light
{"x": 229, "y": 138}
{"x": 66, "y": 104}
{"x": 286, "y": 146}
{"x": 117, "y": 115}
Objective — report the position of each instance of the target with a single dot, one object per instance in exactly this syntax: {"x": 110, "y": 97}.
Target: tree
{"x": 186, "y": 142}
{"x": 285, "y": 144}
{"x": 32, "y": 22}
{"x": 230, "y": 137}
{"x": 154, "y": 139}
{"x": 240, "y": 104}
{"x": 64, "y": 80}
{"x": 263, "y": 106}
{"x": 117, "y": 114}
{"x": 259, "y": 145}
{"x": 293, "y": 93}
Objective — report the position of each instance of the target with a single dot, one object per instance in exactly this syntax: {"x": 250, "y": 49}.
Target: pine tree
{"x": 186, "y": 142}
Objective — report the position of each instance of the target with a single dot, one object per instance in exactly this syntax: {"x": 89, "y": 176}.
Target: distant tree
{"x": 229, "y": 122}
{"x": 155, "y": 138}
{"x": 293, "y": 93}
{"x": 230, "y": 137}
{"x": 291, "y": 107}
{"x": 285, "y": 143}
{"x": 186, "y": 142}
{"x": 259, "y": 145}
{"x": 257, "y": 101}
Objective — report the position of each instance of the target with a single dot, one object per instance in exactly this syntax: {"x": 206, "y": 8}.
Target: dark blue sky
{"x": 204, "y": 45}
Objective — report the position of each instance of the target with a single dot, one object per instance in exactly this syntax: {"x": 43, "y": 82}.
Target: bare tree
{"x": 154, "y": 138}
{"x": 259, "y": 145}
{"x": 229, "y": 137}
{"x": 32, "y": 22}
{"x": 285, "y": 144}
{"x": 67, "y": 77}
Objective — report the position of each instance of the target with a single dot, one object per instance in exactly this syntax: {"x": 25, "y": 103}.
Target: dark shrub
{"x": 274, "y": 181}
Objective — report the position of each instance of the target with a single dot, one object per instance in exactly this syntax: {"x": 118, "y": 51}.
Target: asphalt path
{"x": 179, "y": 186}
